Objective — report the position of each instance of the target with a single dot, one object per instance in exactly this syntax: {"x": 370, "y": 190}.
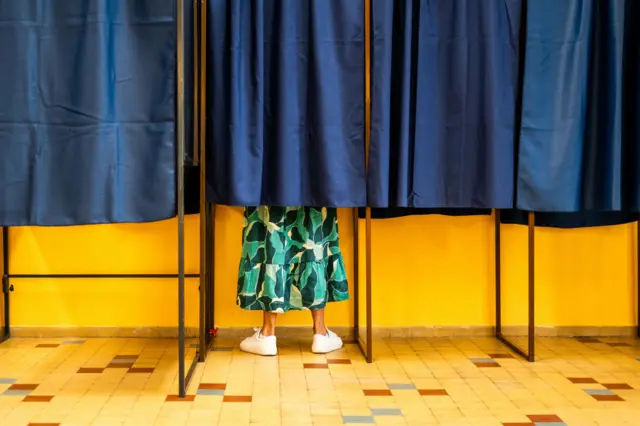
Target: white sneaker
{"x": 325, "y": 343}
{"x": 259, "y": 344}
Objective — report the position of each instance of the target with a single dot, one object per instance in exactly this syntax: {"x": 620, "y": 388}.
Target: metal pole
{"x": 98, "y": 276}
{"x": 369, "y": 286}
{"x": 180, "y": 151}
{"x": 638, "y": 276}
{"x": 6, "y": 285}
{"x": 498, "y": 272}
{"x": 200, "y": 28}
{"x": 532, "y": 316}
{"x": 531, "y": 283}
{"x": 367, "y": 139}
{"x": 211, "y": 272}
{"x": 196, "y": 155}
{"x": 356, "y": 278}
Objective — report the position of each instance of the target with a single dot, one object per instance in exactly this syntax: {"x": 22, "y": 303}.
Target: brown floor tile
{"x": 236, "y": 398}
{"x": 176, "y": 398}
{"x": 433, "y": 392}
{"x": 22, "y": 386}
{"x": 89, "y": 370}
{"x": 377, "y": 392}
{"x": 487, "y": 364}
{"x": 545, "y": 418}
{"x": 316, "y": 365}
{"x": 607, "y": 398}
{"x": 141, "y": 370}
{"x": 518, "y": 424}
{"x": 582, "y": 380}
{"x": 338, "y": 361}
{"x": 617, "y": 386}
{"x": 37, "y": 398}
{"x": 619, "y": 345}
{"x": 126, "y": 357}
{"x": 213, "y": 386}
{"x": 119, "y": 365}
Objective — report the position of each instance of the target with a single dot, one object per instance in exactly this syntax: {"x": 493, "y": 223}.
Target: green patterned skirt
{"x": 290, "y": 259}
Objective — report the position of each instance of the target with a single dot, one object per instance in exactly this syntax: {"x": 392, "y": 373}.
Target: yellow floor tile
{"x": 413, "y": 381}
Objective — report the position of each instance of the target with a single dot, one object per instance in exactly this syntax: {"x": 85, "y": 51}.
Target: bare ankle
{"x": 268, "y": 331}
{"x": 320, "y": 329}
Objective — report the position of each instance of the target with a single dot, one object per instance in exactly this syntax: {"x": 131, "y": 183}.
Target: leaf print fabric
{"x": 290, "y": 259}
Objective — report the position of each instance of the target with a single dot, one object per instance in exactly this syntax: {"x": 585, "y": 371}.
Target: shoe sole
{"x": 256, "y": 353}
{"x": 326, "y": 352}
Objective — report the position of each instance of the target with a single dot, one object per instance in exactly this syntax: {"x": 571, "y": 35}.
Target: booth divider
{"x": 207, "y": 221}
{"x": 529, "y": 355}
{"x": 206, "y": 212}
{"x": 531, "y": 343}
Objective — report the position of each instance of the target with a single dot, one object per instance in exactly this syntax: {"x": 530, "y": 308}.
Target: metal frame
{"x": 180, "y": 153}
{"x": 638, "y": 278}
{"x": 6, "y": 286}
{"x": 210, "y": 328}
{"x": 530, "y": 354}
{"x": 206, "y": 240}
{"x": 199, "y": 57}
{"x": 366, "y": 348}
{"x": 368, "y": 351}
{"x": 207, "y": 209}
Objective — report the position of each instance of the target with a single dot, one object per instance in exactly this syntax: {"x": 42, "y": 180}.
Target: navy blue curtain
{"x": 444, "y": 84}
{"x": 579, "y": 142}
{"x": 285, "y": 103}
{"x": 86, "y": 111}
{"x": 395, "y": 212}
{"x": 582, "y": 219}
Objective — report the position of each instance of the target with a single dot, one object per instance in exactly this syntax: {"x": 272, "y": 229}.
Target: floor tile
{"x": 386, "y": 412}
{"x": 377, "y": 392}
{"x": 401, "y": 386}
{"x": 358, "y": 419}
{"x": 422, "y": 381}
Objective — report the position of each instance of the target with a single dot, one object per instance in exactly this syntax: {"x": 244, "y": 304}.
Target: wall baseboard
{"x": 345, "y": 332}
{"x": 128, "y": 332}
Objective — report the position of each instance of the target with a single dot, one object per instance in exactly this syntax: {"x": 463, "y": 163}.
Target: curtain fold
{"x": 86, "y": 111}
{"x": 285, "y": 103}
{"x": 579, "y": 141}
{"x": 444, "y": 84}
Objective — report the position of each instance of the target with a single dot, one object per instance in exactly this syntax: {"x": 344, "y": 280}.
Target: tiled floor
{"x": 475, "y": 382}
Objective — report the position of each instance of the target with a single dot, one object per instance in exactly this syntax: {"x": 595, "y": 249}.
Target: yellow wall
{"x": 428, "y": 270}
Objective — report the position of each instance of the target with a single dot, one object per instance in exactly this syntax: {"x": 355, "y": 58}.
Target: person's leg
{"x": 318, "y": 322}
{"x": 258, "y": 285}
{"x": 269, "y": 323}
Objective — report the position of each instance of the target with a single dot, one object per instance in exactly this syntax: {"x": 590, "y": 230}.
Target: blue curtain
{"x": 580, "y": 138}
{"x": 444, "y": 84}
{"x": 395, "y": 212}
{"x": 582, "y": 219}
{"x": 285, "y": 103}
{"x": 86, "y": 111}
